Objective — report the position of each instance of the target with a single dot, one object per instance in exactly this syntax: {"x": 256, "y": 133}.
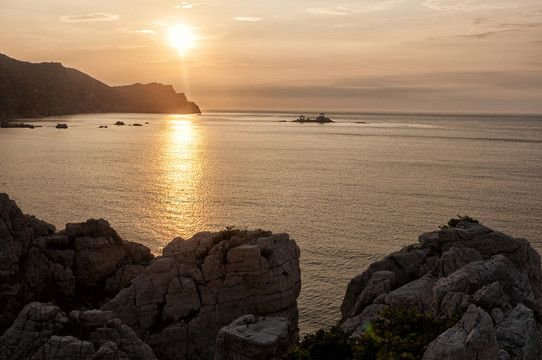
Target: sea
{"x": 348, "y": 192}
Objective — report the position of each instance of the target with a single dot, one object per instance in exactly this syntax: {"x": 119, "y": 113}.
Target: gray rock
{"x": 467, "y": 267}
{"x": 381, "y": 282}
{"x": 32, "y": 336}
{"x": 200, "y": 285}
{"x": 473, "y": 338}
{"x": 71, "y": 267}
{"x": 405, "y": 265}
{"x": 448, "y": 345}
{"x": 358, "y": 323}
{"x": 517, "y": 333}
{"x": 474, "y": 276}
{"x": 110, "y": 351}
{"x": 481, "y": 341}
{"x": 92, "y": 319}
{"x": 490, "y": 243}
{"x": 32, "y": 328}
{"x": 456, "y": 258}
{"x": 65, "y": 347}
{"x": 416, "y": 294}
{"x": 253, "y": 338}
{"x": 493, "y": 295}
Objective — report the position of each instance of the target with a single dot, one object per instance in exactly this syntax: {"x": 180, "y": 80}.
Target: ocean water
{"x": 349, "y": 193}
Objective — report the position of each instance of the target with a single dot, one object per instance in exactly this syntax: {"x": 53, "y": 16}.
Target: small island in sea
{"x": 320, "y": 119}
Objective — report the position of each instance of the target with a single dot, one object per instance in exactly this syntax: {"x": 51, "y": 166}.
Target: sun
{"x": 181, "y": 37}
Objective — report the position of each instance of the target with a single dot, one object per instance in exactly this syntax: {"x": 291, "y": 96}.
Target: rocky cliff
{"x": 50, "y": 89}
{"x": 492, "y": 281}
{"x": 85, "y": 293}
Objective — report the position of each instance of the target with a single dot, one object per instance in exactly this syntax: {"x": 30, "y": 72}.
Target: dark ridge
{"x": 29, "y": 90}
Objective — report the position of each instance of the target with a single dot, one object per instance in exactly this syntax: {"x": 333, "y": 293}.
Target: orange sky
{"x": 396, "y": 55}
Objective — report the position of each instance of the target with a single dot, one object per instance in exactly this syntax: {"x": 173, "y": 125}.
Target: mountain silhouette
{"x": 49, "y": 89}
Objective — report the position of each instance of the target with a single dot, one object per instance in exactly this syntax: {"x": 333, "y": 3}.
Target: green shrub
{"x": 454, "y": 221}
{"x": 228, "y": 233}
{"x": 398, "y": 334}
{"x": 323, "y": 345}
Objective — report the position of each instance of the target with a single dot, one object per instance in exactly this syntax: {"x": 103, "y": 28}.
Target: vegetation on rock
{"x": 397, "y": 334}
{"x": 454, "y": 221}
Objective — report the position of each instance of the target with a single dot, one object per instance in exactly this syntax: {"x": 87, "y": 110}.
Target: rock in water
{"x": 495, "y": 279}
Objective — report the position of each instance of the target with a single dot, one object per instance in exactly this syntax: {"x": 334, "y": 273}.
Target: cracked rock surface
{"x": 122, "y": 302}
{"x": 492, "y": 279}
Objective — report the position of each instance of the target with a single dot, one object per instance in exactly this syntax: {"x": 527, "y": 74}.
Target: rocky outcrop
{"x": 50, "y": 89}
{"x": 44, "y": 332}
{"x": 121, "y": 301}
{"x": 253, "y": 338}
{"x": 181, "y": 301}
{"x": 493, "y": 279}
{"x": 84, "y": 265}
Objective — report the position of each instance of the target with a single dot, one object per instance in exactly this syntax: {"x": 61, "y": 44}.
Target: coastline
{"x": 203, "y": 290}
{"x": 361, "y": 179}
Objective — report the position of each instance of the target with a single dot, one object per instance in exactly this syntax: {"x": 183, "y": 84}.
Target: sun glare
{"x": 181, "y": 37}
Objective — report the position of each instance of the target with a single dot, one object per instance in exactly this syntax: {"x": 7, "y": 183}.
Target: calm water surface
{"x": 348, "y": 193}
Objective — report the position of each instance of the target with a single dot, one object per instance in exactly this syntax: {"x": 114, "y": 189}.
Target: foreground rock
{"x": 82, "y": 266}
{"x": 116, "y": 295}
{"x": 43, "y": 331}
{"x": 180, "y": 302}
{"x": 253, "y": 338}
{"x": 494, "y": 280}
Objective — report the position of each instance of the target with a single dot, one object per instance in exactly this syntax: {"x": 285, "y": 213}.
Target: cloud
{"x": 247, "y": 18}
{"x": 477, "y": 5}
{"x": 186, "y": 5}
{"x": 144, "y": 31}
{"x": 131, "y": 47}
{"x": 356, "y": 8}
{"x": 89, "y": 17}
{"x": 337, "y": 10}
{"x": 484, "y": 34}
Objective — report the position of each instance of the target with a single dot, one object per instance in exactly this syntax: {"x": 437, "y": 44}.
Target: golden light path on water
{"x": 179, "y": 177}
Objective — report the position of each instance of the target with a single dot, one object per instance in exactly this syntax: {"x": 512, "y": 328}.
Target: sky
{"x": 443, "y": 56}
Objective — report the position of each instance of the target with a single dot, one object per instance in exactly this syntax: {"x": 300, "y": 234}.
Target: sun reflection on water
{"x": 181, "y": 164}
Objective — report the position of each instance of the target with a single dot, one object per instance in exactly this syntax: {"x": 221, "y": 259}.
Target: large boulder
{"x": 114, "y": 289}
{"x": 180, "y": 302}
{"x": 468, "y": 269}
{"x": 473, "y": 337}
{"x": 43, "y": 332}
{"x": 84, "y": 265}
{"x": 253, "y": 338}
